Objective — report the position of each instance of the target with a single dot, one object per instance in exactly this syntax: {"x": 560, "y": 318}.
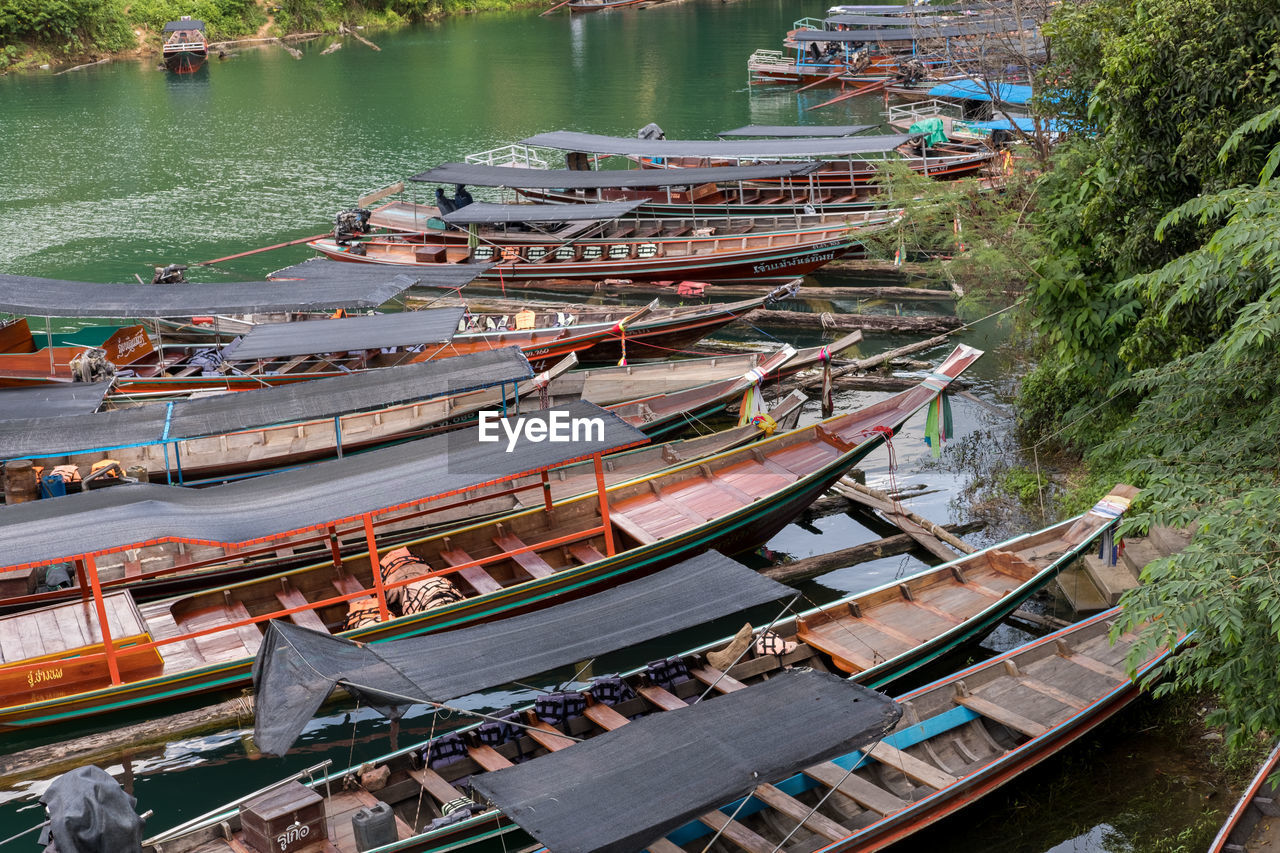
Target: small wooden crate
{"x": 288, "y": 819}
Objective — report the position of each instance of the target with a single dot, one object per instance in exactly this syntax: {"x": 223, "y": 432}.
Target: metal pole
{"x": 91, "y": 568}
{"x": 610, "y": 548}
{"x": 383, "y": 613}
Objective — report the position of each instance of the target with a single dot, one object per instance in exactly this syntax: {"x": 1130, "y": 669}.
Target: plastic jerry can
{"x": 374, "y": 827}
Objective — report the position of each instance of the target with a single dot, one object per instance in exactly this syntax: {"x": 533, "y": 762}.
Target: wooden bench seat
{"x": 661, "y": 697}
{"x": 628, "y": 526}
{"x": 547, "y": 735}
{"x": 527, "y": 560}
{"x": 910, "y": 766}
{"x": 584, "y": 552}
{"x": 289, "y": 597}
{"x": 711, "y": 676}
{"x": 605, "y": 717}
{"x": 864, "y": 793}
{"x": 1003, "y": 716}
{"x": 480, "y": 580}
{"x": 487, "y": 757}
{"x": 435, "y": 785}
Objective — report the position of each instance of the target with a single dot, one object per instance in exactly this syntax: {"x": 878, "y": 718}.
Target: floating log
{"x": 343, "y": 28}
{"x": 923, "y": 530}
{"x": 293, "y": 51}
{"x": 864, "y": 364}
{"x": 57, "y": 757}
{"x": 812, "y": 567}
{"x": 886, "y": 323}
{"x": 337, "y": 45}
{"x": 78, "y": 67}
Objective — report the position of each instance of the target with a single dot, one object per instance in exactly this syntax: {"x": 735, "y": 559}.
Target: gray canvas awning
{"x": 407, "y": 328}
{"x": 52, "y": 400}
{"x": 756, "y": 149}
{"x": 791, "y": 131}
{"x": 354, "y": 276}
{"x": 297, "y": 668}
{"x": 179, "y": 26}
{"x": 569, "y": 179}
{"x": 622, "y": 790}
{"x": 316, "y": 399}
{"x": 278, "y": 504}
{"x": 45, "y": 297}
{"x": 483, "y": 213}
{"x": 919, "y": 32}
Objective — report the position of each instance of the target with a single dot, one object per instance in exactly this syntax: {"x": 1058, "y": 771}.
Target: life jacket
{"x": 418, "y": 596}
{"x": 361, "y": 612}
{"x": 558, "y": 707}
{"x": 445, "y": 749}
{"x": 667, "y": 673}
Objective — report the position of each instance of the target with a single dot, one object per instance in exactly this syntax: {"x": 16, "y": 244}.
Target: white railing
{"x": 516, "y": 155}
{"x": 809, "y": 24}
{"x": 913, "y": 112}
{"x": 769, "y": 59}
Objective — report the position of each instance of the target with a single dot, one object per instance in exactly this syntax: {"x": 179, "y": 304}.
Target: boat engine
{"x": 350, "y": 223}
{"x": 172, "y": 274}
{"x": 91, "y": 366}
{"x": 911, "y": 71}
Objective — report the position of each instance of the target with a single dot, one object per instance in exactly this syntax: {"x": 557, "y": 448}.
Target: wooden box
{"x": 430, "y": 255}
{"x": 288, "y": 819}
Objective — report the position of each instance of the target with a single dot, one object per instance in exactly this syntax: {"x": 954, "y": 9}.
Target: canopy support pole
{"x": 337, "y": 433}
{"x": 334, "y": 551}
{"x": 609, "y": 547}
{"x": 48, "y": 342}
{"x": 546, "y": 490}
{"x": 91, "y": 568}
{"x": 82, "y": 579}
{"x": 383, "y": 614}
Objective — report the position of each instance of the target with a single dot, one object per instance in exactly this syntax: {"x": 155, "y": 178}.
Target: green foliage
{"x": 224, "y": 18}
{"x": 1025, "y": 485}
{"x": 70, "y": 25}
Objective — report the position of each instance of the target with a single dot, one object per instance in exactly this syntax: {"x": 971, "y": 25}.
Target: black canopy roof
{"x": 52, "y": 400}
{"x": 46, "y": 297}
{"x": 483, "y": 213}
{"x": 408, "y": 328}
{"x": 762, "y": 149}
{"x": 783, "y": 131}
{"x": 276, "y": 504}
{"x": 916, "y": 32}
{"x": 315, "y": 399}
{"x": 509, "y": 176}
{"x": 928, "y": 19}
{"x": 297, "y": 668}
{"x": 350, "y": 276}
{"x": 622, "y": 790}
{"x": 189, "y": 24}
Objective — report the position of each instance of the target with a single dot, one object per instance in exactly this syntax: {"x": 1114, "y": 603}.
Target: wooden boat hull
{"x": 217, "y": 565}
{"x": 1256, "y": 804}
{"x": 755, "y": 266}
{"x": 185, "y": 61}
{"x": 737, "y": 532}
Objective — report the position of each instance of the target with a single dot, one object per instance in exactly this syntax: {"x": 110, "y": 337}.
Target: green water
{"x": 110, "y": 171}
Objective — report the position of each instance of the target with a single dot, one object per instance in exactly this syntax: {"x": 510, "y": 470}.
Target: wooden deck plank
{"x": 435, "y": 785}
{"x": 1046, "y": 689}
{"x": 584, "y": 552}
{"x": 605, "y": 717}
{"x": 627, "y": 525}
{"x": 290, "y": 597}
{"x": 480, "y": 580}
{"x": 662, "y": 845}
{"x": 250, "y": 635}
{"x": 864, "y": 793}
{"x": 527, "y": 560}
{"x": 710, "y": 676}
{"x": 661, "y": 697}
{"x": 735, "y": 833}
{"x": 488, "y": 757}
{"x": 547, "y": 735}
{"x": 1002, "y": 715}
{"x": 815, "y": 822}
{"x": 847, "y": 659}
{"x": 910, "y": 766}
{"x": 1086, "y": 662}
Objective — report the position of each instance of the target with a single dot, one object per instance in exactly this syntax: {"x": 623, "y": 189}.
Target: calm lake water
{"x": 110, "y": 171}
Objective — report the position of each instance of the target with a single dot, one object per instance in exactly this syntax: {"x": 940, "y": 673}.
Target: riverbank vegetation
{"x": 34, "y": 32}
{"x": 1156, "y": 307}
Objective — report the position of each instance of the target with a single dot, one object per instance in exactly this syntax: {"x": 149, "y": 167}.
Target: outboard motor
{"x": 651, "y": 131}
{"x": 911, "y": 71}
{"x": 172, "y": 274}
{"x": 90, "y": 813}
{"x": 91, "y": 366}
{"x": 350, "y": 223}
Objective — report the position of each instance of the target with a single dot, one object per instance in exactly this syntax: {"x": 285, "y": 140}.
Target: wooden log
{"x": 343, "y": 28}
{"x": 887, "y": 323}
{"x": 877, "y": 499}
{"x": 811, "y": 567}
{"x": 864, "y": 364}
{"x": 43, "y": 761}
{"x": 20, "y": 483}
{"x": 78, "y": 67}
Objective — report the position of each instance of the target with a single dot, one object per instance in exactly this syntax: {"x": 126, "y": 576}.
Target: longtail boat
{"x": 446, "y": 765}
{"x": 697, "y": 193}
{"x": 732, "y": 501}
{"x": 658, "y": 398}
{"x": 578, "y": 7}
{"x": 159, "y": 567}
{"x": 844, "y": 162}
{"x": 252, "y": 431}
{"x": 185, "y": 45}
{"x": 958, "y": 739}
{"x": 592, "y": 241}
{"x": 1254, "y": 824}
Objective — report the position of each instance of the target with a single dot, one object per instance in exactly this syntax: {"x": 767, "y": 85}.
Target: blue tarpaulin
{"x": 979, "y": 90}
{"x": 1023, "y": 123}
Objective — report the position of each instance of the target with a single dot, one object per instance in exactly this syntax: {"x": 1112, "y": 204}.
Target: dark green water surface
{"x": 109, "y": 171}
